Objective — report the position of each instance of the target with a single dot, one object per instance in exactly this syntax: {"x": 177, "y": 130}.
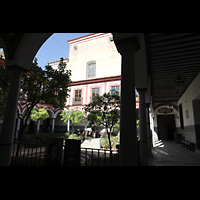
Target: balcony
{"x": 77, "y": 102}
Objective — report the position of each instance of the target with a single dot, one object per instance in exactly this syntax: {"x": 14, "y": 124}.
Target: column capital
{"x": 141, "y": 90}
{"x": 147, "y": 105}
{"x": 127, "y": 45}
{"x": 16, "y": 68}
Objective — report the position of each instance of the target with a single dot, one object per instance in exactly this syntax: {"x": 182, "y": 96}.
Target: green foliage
{"x": 105, "y": 143}
{"x": 76, "y": 137}
{"x": 94, "y": 118}
{"x": 73, "y": 136}
{"x": 38, "y": 114}
{"x": 50, "y": 84}
{"x": 76, "y": 117}
{"x": 58, "y": 82}
{"x": 41, "y": 138}
{"x": 104, "y": 110}
{"x": 5, "y": 76}
{"x": 117, "y": 126}
{"x": 138, "y": 123}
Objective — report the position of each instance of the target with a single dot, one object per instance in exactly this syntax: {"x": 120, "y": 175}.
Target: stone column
{"x": 68, "y": 126}
{"x": 143, "y": 128}
{"x": 38, "y": 126}
{"x": 128, "y": 154}
{"x": 8, "y": 127}
{"x": 149, "y": 133}
{"x": 53, "y": 124}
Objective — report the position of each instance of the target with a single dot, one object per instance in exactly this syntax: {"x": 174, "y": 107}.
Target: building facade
{"x": 96, "y": 69}
{"x": 149, "y": 64}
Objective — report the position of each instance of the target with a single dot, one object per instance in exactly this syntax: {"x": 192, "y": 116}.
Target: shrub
{"x": 105, "y": 143}
{"x": 76, "y": 137}
{"x": 73, "y": 136}
{"x": 41, "y": 138}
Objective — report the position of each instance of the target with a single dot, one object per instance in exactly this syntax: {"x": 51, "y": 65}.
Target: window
{"x": 91, "y": 69}
{"x": 115, "y": 88}
{"x": 78, "y": 96}
{"x": 95, "y": 92}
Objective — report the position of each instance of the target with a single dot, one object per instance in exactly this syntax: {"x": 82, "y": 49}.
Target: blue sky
{"x": 56, "y": 47}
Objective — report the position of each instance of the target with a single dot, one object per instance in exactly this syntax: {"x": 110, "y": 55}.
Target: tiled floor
{"x": 169, "y": 153}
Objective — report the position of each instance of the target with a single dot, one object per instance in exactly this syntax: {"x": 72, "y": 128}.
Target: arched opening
{"x": 165, "y": 122}
{"x": 46, "y": 125}
{"x": 60, "y": 126}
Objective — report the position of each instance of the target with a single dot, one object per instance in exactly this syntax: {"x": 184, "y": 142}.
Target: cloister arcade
{"x": 153, "y": 63}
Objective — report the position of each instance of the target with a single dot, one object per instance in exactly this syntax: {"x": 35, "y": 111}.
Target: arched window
{"x": 91, "y": 69}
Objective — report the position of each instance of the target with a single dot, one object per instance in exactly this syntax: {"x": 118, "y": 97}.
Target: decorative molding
{"x": 88, "y": 38}
{"x": 96, "y": 80}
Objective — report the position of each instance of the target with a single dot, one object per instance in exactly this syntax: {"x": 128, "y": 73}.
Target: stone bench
{"x": 188, "y": 145}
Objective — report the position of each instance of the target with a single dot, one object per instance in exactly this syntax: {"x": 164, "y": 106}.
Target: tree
{"x": 38, "y": 114}
{"x": 5, "y": 76}
{"x": 117, "y": 126}
{"x": 76, "y": 117}
{"x": 105, "y": 110}
{"x": 50, "y": 86}
{"x": 94, "y": 118}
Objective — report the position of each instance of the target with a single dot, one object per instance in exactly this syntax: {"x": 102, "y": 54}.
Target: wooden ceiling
{"x": 170, "y": 53}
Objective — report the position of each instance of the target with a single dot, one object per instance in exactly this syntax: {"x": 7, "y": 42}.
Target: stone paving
{"x": 170, "y": 153}
{"x": 91, "y": 143}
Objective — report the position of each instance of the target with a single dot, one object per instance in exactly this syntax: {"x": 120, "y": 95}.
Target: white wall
{"x": 192, "y": 93}
{"x": 102, "y": 50}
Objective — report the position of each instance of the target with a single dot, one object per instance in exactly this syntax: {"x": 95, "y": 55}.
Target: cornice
{"x": 97, "y": 80}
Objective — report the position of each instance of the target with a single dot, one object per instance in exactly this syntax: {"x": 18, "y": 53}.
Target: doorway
{"x": 166, "y": 127}
{"x": 46, "y": 125}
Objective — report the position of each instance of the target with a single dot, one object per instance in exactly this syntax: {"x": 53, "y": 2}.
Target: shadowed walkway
{"x": 169, "y": 153}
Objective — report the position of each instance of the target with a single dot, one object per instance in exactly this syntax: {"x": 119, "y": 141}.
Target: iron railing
{"x": 28, "y": 155}
{"x": 99, "y": 157}
{"x": 35, "y": 155}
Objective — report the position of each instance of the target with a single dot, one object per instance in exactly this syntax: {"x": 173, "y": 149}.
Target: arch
{"x": 21, "y": 48}
{"x": 57, "y": 112}
{"x": 20, "y": 109}
{"x": 164, "y": 105}
{"x": 31, "y": 43}
{"x": 155, "y": 113}
{"x": 51, "y": 112}
{"x": 59, "y": 126}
